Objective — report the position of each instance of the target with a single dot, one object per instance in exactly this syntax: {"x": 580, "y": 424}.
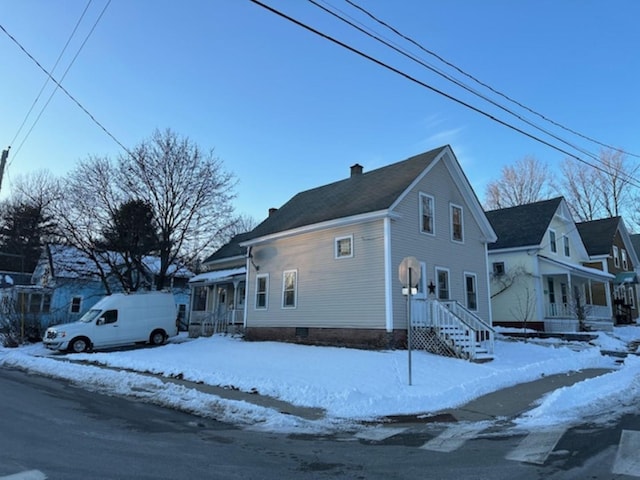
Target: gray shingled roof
{"x": 522, "y": 225}
{"x": 597, "y": 235}
{"x": 230, "y": 249}
{"x": 364, "y": 193}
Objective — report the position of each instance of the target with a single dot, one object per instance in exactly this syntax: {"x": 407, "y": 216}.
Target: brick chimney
{"x": 356, "y": 169}
{"x": 272, "y": 210}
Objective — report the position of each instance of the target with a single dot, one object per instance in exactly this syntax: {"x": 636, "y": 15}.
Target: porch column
{"x": 607, "y": 295}
{"x": 539, "y": 291}
{"x": 236, "y": 284}
{"x": 572, "y": 305}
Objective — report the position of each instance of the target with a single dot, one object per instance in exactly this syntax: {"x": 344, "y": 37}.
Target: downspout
{"x": 246, "y": 288}
{"x": 388, "y": 297}
{"x": 488, "y": 282}
{"x": 538, "y": 281}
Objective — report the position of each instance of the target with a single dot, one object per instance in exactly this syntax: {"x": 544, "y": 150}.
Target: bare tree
{"x": 524, "y": 307}
{"x": 243, "y": 224}
{"x": 525, "y": 182}
{"x": 578, "y": 188}
{"x": 189, "y": 191}
{"x": 604, "y": 190}
{"x": 615, "y": 178}
{"x": 27, "y": 221}
{"x": 89, "y": 199}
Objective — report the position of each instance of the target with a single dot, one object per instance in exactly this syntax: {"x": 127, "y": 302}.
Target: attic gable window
{"x": 427, "y": 224}
{"x": 498, "y": 269}
{"x": 625, "y": 265}
{"x": 553, "y": 246}
{"x": 456, "y": 224}
{"x": 344, "y": 247}
{"x": 567, "y": 250}
{"x": 616, "y": 258}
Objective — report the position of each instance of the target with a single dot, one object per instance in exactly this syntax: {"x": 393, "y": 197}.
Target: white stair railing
{"x": 466, "y": 333}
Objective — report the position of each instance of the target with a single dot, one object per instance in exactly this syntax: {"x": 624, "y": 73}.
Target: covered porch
{"x": 217, "y": 301}
{"x": 576, "y": 298}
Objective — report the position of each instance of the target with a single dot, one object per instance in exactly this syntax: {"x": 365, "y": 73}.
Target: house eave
{"x": 238, "y": 258}
{"x": 339, "y": 222}
{"x": 527, "y": 248}
{"x": 579, "y": 270}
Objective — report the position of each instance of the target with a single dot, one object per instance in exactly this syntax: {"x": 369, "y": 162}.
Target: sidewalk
{"x": 513, "y": 401}
{"x": 507, "y": 403}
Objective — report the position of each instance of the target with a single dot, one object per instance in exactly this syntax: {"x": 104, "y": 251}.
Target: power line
{"x": 66, "y": 92}
{"x": 52, "y": 70}
{"x": 497, "y": 92}
{"x": 63, "y": 77}
{"x": 633, "y": 181}
{"x": 454, "y": 80}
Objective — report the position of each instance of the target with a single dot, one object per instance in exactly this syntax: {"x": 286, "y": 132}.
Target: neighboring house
{"x": 218, "y": 295}
{"x": 323, "y": 268}
{"x": 65, "y": 284}
{"x": 538, "y": 275}
{"x": 610, "y": 248}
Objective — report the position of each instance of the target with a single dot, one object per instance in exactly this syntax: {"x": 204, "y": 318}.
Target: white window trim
{"x": 433, "y": 213}
{"x": 616, "y": 257}
{"x": 452, "y": 206}
{"x": 266, "y": 292}
{"x": 623, "y": 254}
{"x": 566, "y": 247}
{"x": 79, "y": 306}
{"x": 295, "y": 290}
{"x": 336, "y": 250}
{"x": 553, "y": 243}
{"x": 475, "y": 284}
{"x": 443, "y": 269}
{"x": 422, "y": 285}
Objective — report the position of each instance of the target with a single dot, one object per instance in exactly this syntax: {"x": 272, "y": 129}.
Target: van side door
{"x": 107, "y": 330}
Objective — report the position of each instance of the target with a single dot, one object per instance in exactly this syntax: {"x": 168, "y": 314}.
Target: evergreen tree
{"x": 23, "y": 229}
{"x": 131, "y": 235}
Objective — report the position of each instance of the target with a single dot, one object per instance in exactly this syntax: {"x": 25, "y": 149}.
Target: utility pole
{"x": 3, "y": 163}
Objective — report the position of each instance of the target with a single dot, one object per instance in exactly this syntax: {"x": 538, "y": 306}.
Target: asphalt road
{"x": 51, "y": 429}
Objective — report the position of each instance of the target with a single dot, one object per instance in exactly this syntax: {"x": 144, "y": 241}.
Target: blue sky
{"x": 287, "y": 110}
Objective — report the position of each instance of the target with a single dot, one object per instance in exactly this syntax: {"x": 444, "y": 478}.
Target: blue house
{"x": 66, "y": 283}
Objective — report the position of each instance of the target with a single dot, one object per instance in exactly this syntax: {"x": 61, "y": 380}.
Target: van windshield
{"x": 90, "y": 316}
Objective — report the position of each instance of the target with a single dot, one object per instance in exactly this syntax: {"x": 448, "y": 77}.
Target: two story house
{"x": 323, "y": 268}
{"x": 540, "y": 273}
{"x": 611, "y": 250}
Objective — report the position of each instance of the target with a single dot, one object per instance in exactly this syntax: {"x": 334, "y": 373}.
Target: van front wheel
{"x": 157, "y": 337}
{"x": 79, "y": 345}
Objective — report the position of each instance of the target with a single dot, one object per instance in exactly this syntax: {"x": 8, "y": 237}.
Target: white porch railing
{"x": 565, "y": 310}
{"x": 465, "y": 333}
{"x": 209, "y": 323}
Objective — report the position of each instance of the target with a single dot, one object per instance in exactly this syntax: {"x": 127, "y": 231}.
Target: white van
{"x": 118, "y": 319}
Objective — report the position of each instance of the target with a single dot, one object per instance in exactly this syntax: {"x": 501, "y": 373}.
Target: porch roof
{"x": 626, "y": 277}
{"x": 218, "y": 276}
{"x": 553, "y": 266}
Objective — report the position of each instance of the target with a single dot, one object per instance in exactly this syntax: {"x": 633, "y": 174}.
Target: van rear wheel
{"x": 157, "y": 337}
{"x": 79, "y": 345}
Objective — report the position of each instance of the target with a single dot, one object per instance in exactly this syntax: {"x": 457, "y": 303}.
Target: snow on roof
{"x": 71, "y": 262}
{"x": 153, "y": 265}
{"x": 218, "y": 275}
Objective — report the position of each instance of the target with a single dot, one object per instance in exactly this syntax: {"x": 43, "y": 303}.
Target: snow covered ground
{"x": 351, "y": 385}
